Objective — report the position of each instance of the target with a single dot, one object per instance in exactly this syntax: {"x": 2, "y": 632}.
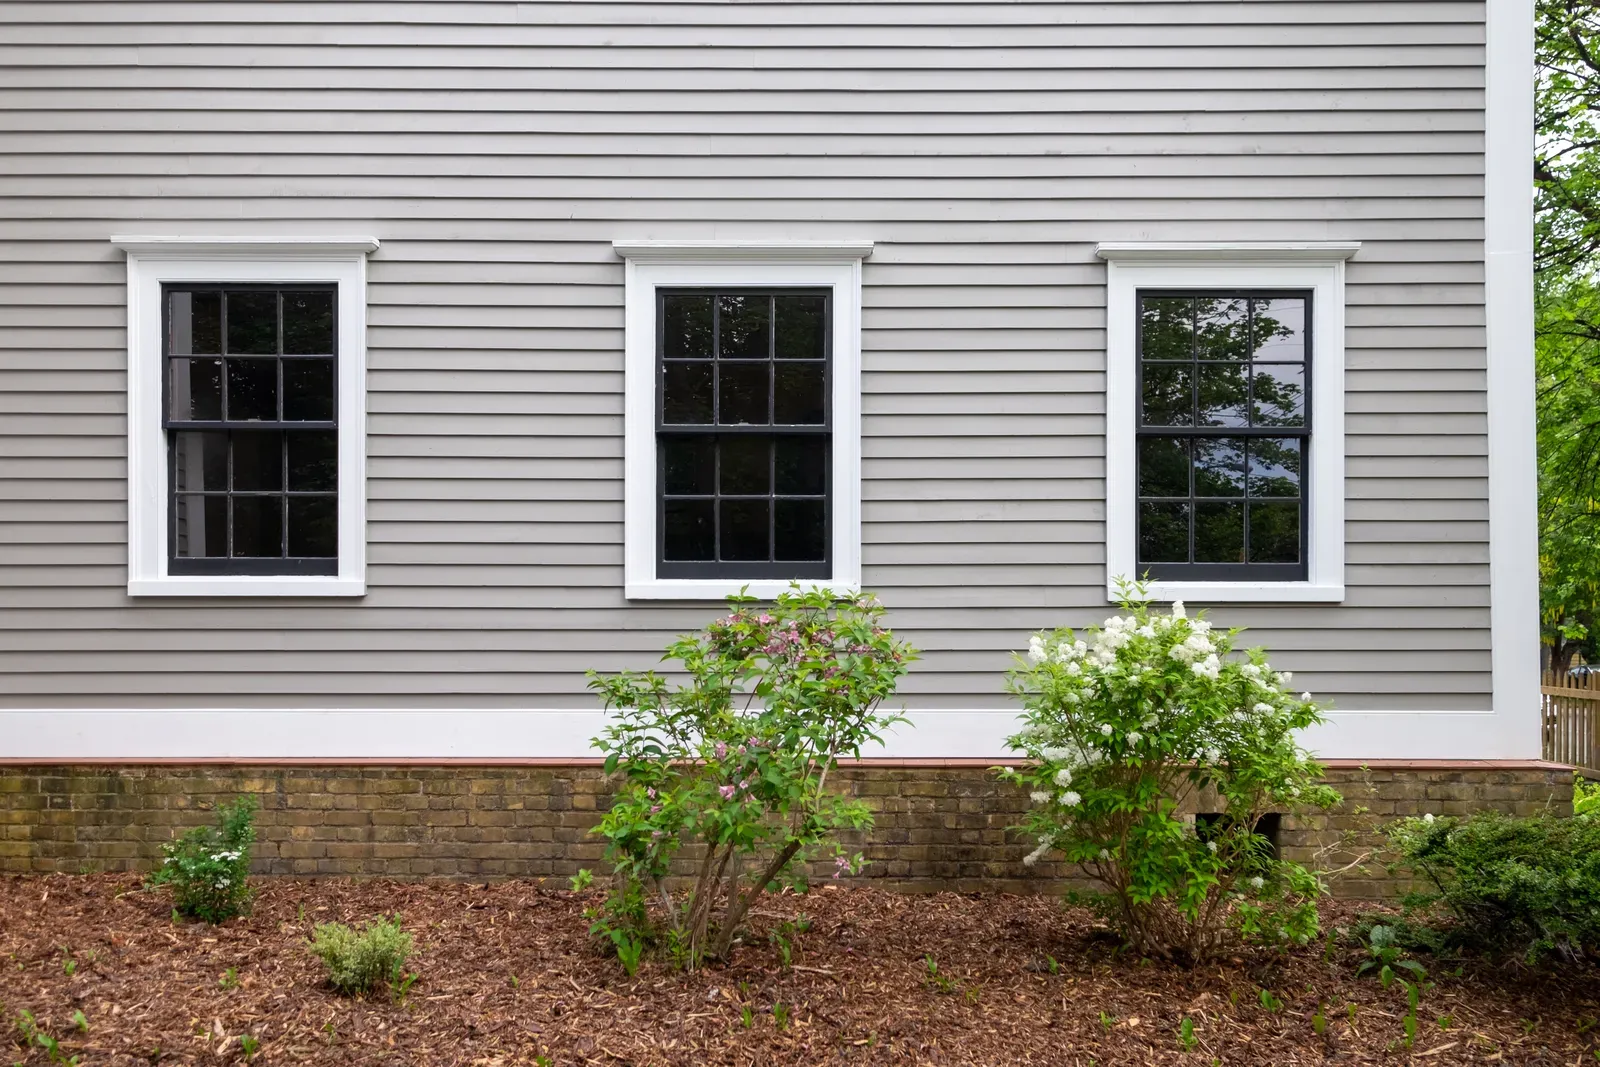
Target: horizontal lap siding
{"x": 498, "y": 149}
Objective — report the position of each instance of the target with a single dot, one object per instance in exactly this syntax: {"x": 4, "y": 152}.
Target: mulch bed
{"x": 508, "y": 975}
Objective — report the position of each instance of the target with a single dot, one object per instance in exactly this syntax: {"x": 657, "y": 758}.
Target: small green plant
{"x": 1107, "y": 1021}
{"x": 1269, "y": 1001}
{"x": 941, "y": 983}
{"x": 404, "y": 987}
{"x": 249, "y": 1044}
{"x": 81, "y": 1021}
{"x": 1319, "y": 1021}
{"x": 1052, "y": 965}
{"x": 357, "y": 963}
{"x": 514, "y": 982}
{"x": 1445, "y": 1021}
{"x": 229, "y": 979}
{"x": 69, "y": 966}
{"x": 747, "y": 1017}
{"x": 1384, "y": 955}
{"x": 737, "y": 760}
{"x": 582, "y": 880}
{"x": 1186, "y": 1037}
{"x": 35, "y": 1036}
{"x": 208, "y": 867}
{"x": 780, "y": 1015}
{"x": 1409, "y": 1021}
{"x": 784, "y": 936}
{"x": 541, "y": 1061}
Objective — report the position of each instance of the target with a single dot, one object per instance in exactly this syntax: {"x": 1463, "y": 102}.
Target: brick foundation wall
{"x": 939, "y": 824}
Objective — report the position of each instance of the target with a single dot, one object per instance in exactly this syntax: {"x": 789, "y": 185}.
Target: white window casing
{"x": 654, "y": 264}
{"x": 1314, "y": 266}
{"x": 152, "y": 261}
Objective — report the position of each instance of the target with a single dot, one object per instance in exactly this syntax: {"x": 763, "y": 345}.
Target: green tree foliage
{"x": 1566, "y": 174}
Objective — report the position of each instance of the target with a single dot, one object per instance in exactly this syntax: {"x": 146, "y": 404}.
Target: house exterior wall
{"x": 498, "y": 149}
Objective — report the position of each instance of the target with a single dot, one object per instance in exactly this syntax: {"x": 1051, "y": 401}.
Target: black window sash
{"x": 243, "y": 565}
{"x": 1224, "y": 572}
{"x": 744, "y": 569}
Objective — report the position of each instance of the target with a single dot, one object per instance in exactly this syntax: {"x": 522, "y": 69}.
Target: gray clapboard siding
{"x": 498, "y": 149}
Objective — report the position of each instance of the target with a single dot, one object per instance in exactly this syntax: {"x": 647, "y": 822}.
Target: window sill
{"x": 247, "y": 585}
{"x": 1243, "y": 592}
{"x": 722, "y": 588}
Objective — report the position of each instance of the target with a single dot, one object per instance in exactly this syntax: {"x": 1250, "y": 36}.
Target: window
{"x": 743, "y": 436}
{"x": 1223, "y": 435}
{"x": 743, "y": 445}
{"x": 246, "y": 416}
{"x": 252, "y": 432}
{"x": 1225, "y": 412}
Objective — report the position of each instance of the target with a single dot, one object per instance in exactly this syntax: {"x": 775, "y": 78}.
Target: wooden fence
{"x": 1572, "y": 719}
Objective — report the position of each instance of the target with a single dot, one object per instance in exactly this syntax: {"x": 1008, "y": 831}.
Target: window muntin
{"x": 744, "y": 433}
{"x": 1223, "y": 434}
{"x": 250, "y": 413}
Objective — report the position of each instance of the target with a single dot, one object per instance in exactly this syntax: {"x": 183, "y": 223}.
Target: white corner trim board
{"x": 1508, "y": 307}
{"x": 653, "y": 264}
{"x": 1318, "y": 268}
{"x": 130, "y": 735}
{"x": 153, "y": 261}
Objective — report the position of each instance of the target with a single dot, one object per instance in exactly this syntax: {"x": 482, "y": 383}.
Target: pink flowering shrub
{"x": 736, "y": 760}
{"x": 1122, "y": 723}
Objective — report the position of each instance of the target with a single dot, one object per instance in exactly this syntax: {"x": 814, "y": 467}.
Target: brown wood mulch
{"x": 507, "y": 974}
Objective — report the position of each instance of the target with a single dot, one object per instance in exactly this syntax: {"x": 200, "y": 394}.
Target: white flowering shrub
{"x": 208, "y": 867}
{"x": 1127, "y": 721}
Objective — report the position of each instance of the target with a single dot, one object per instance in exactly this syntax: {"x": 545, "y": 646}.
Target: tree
{"x": 1566, "y": 173}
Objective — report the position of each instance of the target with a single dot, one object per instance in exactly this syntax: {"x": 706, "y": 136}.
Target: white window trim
{"x": 652, "y": 264}
{"x": 1318, "y": 267}
{"x": 267, "y": 260}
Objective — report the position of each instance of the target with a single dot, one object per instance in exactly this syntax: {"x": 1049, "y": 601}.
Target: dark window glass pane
{"x": 797, "y": 394}
{"x": 308, "y": 324}
{"x": 1222, "y": 328}
{"x": 689, "y": 532}
{"x": 744, "y": 530}
{"x": 313, "y": 526}
{"x": 308, "y": 390}
{"x": 1219, "y": 466}
{"x": 253, "y": 323}
{"x": 742, "y": 393}
{"x": 1166, "y": 328}
{"x": 686, "y": 393}
{"x": 253, "y": 390}
{"x": 1163, "y": 466}
{"x": 200, "y": 526}
{"x": 1224, "y": 395}
{"x": 1219, "y": 533}
{"x": 799, "y": 531}
{"x": 195, "y": 324}
{"x": 1274, "y": 466}
{"x": 196, "y": 386}
{"x": 200, "y": 462}
{"x": 802, "y": 465}
{"x": 1274, "y": 533}
{"x": 686, "y": 327}
{"x": 799, "y": 329}
{"x": 257, "y": 526}
{"x": 691, "y": 465}
{"x": 258, "y": 461}
{"x": 313, "y": 460}
{"x": 1278, "y": 395}
{"x": 1163, "y": 533}
{"x": 744, "y": 327}
{"x": 1167, "y": 399}
{"x": 1280, "y": 328}
{"x": 747, "y": 465}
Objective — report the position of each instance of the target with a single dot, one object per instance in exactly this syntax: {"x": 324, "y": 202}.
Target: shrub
{"x": 208, "y": 867}
{"x": 359, "y": 962}
{"x": 1529, "y": 885}
{"x": 737, "y": 760}
{"x": 1125, "y": 723}
{"x": 1585, "y": 797}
